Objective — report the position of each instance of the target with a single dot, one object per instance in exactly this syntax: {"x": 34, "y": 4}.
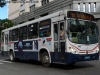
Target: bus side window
{"x": 30, "y": 31}
{"x": 15, "y": 34}
{"x": 62, "y": 31}
{"x": 33, "y": 31}
{"x": 20, "y": 34}
{"x": 10, "y": 35}
{"x": 55, "y": 32}
{"x": 45, "y": 28}
{"x": 56, "y": 39}
{"x": 23, "y": 33}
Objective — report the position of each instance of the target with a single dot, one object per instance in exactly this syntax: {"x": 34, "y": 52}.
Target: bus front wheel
{"x": 45, "y": 59}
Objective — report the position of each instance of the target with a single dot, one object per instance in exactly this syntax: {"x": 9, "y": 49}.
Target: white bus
{"x": 64, "y": 37}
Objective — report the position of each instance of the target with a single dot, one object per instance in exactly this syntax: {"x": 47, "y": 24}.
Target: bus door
{"x": 6, "y": 43}
{"x": 59, "y": 41}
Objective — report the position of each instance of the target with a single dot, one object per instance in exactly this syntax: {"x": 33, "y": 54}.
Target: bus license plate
{"x": 87, "y": 57}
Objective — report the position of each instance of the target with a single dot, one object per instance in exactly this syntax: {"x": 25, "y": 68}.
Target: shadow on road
{"x": 78, "y": 65}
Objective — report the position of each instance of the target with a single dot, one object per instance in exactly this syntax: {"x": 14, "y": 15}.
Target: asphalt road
{"x": 35, "y": 68}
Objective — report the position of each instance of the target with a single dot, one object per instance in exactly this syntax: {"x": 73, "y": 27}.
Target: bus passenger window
{"x": 45, "y": 28}
{"x": 33, "y": 31}
{"x": 41, "y": 34}
{"x": 23, "y": 33}
{"x": 20, "y": 33}
{"x": 55, "y": 32}
{"x": 15, "y": 34}
{"x": 10, "y": 35}
{"x": 30, "y": 30}
{"x": 62, "y": 31}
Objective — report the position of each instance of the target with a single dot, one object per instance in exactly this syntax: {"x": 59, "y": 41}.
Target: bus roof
{"x": 34, "y": 21}
{"x": 41, "y": 18}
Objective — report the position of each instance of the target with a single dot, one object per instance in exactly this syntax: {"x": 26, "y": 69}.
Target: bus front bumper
{"x": 84, "y": 57}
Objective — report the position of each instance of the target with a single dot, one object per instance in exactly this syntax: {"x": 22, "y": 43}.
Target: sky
{"x": 4, "y": 12}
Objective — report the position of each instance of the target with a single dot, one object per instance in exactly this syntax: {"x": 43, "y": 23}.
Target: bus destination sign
{"x": 45, "y": 22}
{"x": 80, "y": 15}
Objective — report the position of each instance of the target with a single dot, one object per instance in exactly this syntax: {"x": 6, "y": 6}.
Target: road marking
{"x": 5, "y": 61}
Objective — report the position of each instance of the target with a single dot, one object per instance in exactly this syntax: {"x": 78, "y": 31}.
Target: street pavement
{"x": 36, "y": 68}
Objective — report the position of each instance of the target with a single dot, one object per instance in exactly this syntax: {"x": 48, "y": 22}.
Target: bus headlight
{"x": 97, "y": 50}
{"x": 74, "y": 51}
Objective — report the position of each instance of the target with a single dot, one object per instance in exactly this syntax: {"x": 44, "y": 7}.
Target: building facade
{"x": 20, "y": 7}
{"x": 22, "y": 12}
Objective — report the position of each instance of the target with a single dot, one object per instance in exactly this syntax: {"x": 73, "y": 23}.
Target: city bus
{"x": 63, "y": 37}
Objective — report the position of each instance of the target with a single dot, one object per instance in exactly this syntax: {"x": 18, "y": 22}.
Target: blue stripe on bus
{"x": 27, "y": 55}
{"x": 71, "y": 58}
{"x": 23, "y": 55}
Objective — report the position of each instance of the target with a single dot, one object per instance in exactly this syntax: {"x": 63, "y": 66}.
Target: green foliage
{"x": 5, "y": 23}
{"x": 2, "y": 3}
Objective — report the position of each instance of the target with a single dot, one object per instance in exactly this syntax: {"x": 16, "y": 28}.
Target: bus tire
{"x": 45, "y": 59}
{"x": 11, "y": 56}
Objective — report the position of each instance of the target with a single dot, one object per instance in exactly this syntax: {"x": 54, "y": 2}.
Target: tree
{"x": 5, "y": 23}
{"x": 2, "y": 3}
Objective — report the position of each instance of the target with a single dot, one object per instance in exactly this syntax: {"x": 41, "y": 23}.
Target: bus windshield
{"x": 82, "y": 32}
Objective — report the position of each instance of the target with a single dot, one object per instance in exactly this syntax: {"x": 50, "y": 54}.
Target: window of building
{"x": 78, "y": 6}
{"x": 23, "y": 33}
{"x": 22, "y": 2}
{"x": 21, "y": 12}
{"x": 33, "y": 31}
{"x": 45, "y": 2}
{"x": 45, "y": 28}
{"x": 15, "y": 34}
{"x": 89, "y": 7}
{"x": 32, "y": 7}
{"x": 94, "y": 6}
{"x": 84, "y": 7}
